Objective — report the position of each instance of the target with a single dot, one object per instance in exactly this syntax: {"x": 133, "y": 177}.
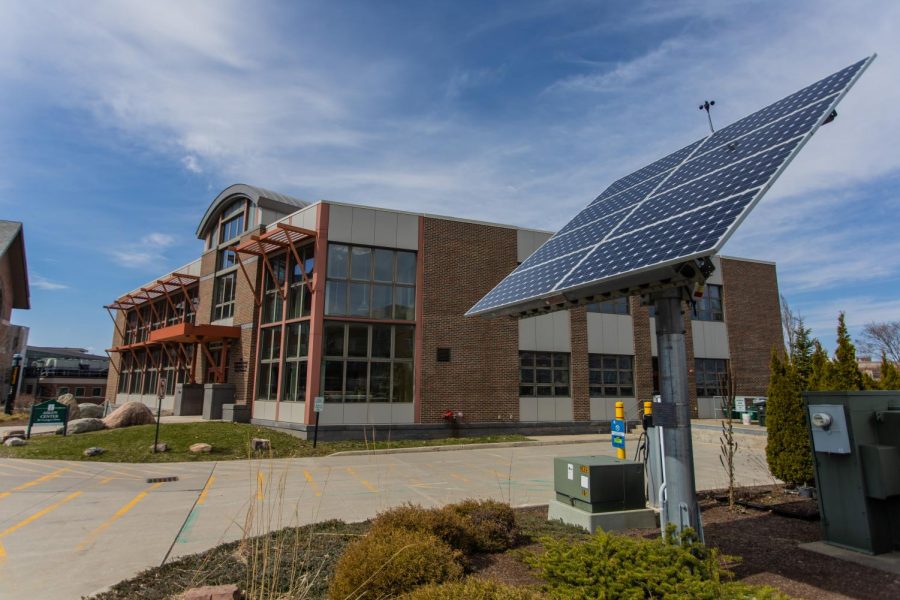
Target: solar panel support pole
{"x": 681, "y": 509}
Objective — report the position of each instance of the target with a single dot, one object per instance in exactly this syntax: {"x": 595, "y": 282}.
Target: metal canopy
{"x": 647, "y": 230}
{"x": 163, "y": 287}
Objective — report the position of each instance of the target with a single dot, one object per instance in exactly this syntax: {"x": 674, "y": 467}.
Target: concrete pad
{"x": 889, "y": 563}
{"x": 641, "y": 518}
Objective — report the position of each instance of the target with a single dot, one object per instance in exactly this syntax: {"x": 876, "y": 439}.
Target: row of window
{"x": 376, "y": 283}
{"x": 707, "y": 308}
{"x": 547, "y": 374}
{"x": 78, "y": 392}
{"x": 161, "y": 313}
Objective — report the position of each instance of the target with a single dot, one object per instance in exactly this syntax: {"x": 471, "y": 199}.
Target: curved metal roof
{"x": 259, "y": 196}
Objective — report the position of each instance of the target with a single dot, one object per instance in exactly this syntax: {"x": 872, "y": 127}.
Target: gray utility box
{"x": 214, "y": 396}
{"x": 188, "y": 399}
{"x": 855, "y": 439}
{"x": 236, "y": 413}
{"x": 599, "y": 483}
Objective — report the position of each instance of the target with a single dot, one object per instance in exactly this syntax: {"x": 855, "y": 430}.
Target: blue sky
{"x": 120, "y": 121}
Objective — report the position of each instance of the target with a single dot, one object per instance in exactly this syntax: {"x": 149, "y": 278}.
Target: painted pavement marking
{"x": 118, "y": 515}
{"x": 34, "y": 482}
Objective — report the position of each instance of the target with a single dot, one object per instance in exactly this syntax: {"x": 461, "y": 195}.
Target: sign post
{"x": 160, "y": 394}
{"x": 48, "y": 413}
{"x": 617, "y": 426}
{"x": 318, "y": 407}
{"x": 13, "y": 384}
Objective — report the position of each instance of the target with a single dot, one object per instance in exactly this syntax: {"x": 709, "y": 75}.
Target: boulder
{"x": 200, "y": 447}
{"x": 83, "y": 426}
{"x": 258, "y": 444}
{"x": 130, "y": 413}
{"x": 70, "y": 401}
{"x": 14, "y": 441}
{"x": 13, "y": 433}
{"x": 90, "y": 411}
{"x": 160, "y": 447}
{"x": 93, "y": 451}
{"x": 213, "y": 592}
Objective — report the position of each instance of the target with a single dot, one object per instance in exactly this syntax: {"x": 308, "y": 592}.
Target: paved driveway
{"x": 71, "y": 528}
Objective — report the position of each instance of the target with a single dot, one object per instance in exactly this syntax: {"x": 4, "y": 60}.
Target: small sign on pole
{"x": 318, "y": 407}
{"x": 160, "y": 394}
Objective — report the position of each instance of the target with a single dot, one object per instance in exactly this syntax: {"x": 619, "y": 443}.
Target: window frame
{"x": 364, "y": 284}
{"x": 616, "y": 306}
{"x": 556, "y": 389}
{"x": 710, "y": 307}
{"x": 601, "y": 371}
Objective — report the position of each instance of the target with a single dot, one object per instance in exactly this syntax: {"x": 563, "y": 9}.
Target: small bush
{"x": 390, "y": 562}
{"x": 613, "y": 566}
{"x": 472, "y": 589}
{"x": 450, "y": 527}
{"x": 492, "y": 523}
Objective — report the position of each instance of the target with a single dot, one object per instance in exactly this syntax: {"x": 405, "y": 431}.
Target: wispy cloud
{"x": 42, "y": 283}
{"x": 149, "y": 251}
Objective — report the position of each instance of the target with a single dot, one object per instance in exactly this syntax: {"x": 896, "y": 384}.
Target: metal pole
{"x": 316, "y": 431}
{"x": 681, "y": 508}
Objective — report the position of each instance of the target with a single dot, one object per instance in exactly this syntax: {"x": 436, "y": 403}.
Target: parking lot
{"x": 73, "y": 528}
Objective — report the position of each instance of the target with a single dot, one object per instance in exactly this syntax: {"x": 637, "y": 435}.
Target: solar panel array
{"x": 680, "y": 207}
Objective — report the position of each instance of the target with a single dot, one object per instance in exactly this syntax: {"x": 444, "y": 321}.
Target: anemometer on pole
{"x": 652, "y": 234}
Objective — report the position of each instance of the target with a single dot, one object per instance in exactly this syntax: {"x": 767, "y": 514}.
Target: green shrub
{"x": 787, "y": 448}
{"x": 614, "y": 566}
{"x": 472, "y": 589}
{"x": 390, "y": 562}
{"x": 450, "y": 527}
{"x": 492, "y": 524}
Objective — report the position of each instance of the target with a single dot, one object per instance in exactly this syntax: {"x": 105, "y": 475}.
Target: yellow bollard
{"x": 620, "y": 414}
{"x": 648, "y": 408}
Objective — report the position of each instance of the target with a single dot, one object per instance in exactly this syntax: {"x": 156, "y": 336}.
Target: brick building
{"x": 14, "y": 293}
{"x": 50, "y": 372}
{"x": 364, "y": 306}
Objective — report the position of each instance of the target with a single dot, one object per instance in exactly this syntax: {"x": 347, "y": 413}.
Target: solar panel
{"x": 680, "y": 208}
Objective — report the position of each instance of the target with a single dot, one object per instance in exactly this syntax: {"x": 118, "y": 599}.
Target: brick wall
{"x": 581, "y": 395}
{"x": 462, "y": 262}
{"x": 643, "y": 352}
{"x": 689, "y": 350}
{"x": 753, "y": 314}
{"x": 244, "y": 350}
{"x": 115, "y": 359}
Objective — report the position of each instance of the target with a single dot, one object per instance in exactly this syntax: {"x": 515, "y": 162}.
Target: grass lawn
{"x": 17, "y": 418}
{"x": 230, "y": 441}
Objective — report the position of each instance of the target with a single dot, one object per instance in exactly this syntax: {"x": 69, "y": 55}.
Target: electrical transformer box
{"x": 599, "y": 483}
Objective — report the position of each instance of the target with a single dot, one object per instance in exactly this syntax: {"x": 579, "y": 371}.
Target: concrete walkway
{"x": 72, "y": 528}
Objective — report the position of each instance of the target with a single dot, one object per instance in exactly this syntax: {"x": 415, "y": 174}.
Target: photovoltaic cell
{"x": 683, "y": 205}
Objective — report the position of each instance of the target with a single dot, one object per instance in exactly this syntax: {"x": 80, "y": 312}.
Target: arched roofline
{"x": 259, "y": 197}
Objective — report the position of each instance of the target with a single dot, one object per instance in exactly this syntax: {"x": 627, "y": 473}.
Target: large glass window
{"x": 617, "y": 306}
{"x": 223, "y": 296}
{"x": 299, "y": 298}
{"x": 296, "y": 350}
{"x": 273, "y": 304}
{"x": 368, "y": 362}
{"x": 711, "y": 375}
{"x": 544, "y": 374}
{"x": 611, "y": 375}
{"x": 368, "y": 282}
{"x": 709, "y": 307}
{"x": 231, "y": 228}
{"x": 269, "y": 362}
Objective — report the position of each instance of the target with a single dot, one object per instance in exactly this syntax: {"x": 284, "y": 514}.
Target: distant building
{"x": 364, "y": 307}
{"x": 14, "y": 293}
{"x": 51, "y": 372}
{"x": 870, "y": 367}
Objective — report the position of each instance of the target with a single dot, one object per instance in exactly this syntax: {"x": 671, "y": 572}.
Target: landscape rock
{"x": 200, "y": 447}
{"x": 13, "y": 433}
{"x": 213, "y": 592}
{"x": 83, "y": 426}
{"x": 14, "y": 441}
{"x": 70, "y": 401}
{"x": 160, "y": 447}
{"x": 90, "y": 410}
{"x": 93, "y": 451}
{"x": 130, "y": 413}
{"x": 257, "y": 444}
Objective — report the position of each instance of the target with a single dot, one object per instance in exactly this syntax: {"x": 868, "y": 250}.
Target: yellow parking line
{"x": 459, "y": 477}
{"x": 33, "y": 482}
{"x": 38, "y": 515}
{"x": 260, "y": 479}
{"x": 118, "y": 515}
{"x": 312, "y": 482}
{"x": 365, "y": 483}
{"x": 106, "y": 480}
{"x": 202, "y": 498}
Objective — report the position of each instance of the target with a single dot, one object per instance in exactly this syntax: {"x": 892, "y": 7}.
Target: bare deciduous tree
{"x": 881, "y": 338}
{"x": 728, "y": 445}
{"x": 789, "y": 322}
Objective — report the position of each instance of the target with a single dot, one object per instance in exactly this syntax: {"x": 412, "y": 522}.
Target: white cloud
{"x": 191, "y": 163}
{"x": 42, "y": 283}
{"x": 146, "y": 252}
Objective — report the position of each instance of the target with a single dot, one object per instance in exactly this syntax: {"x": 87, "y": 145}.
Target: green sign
{"x": 48, "y": 413}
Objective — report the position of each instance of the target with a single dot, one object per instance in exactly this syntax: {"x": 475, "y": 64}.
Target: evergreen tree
{"x": 890, "y": 375}
{"x": 820, "y": 369}
{"x": 845, "y": 374}
{"x": 802, "y": 352}
{"x": 787, "y": 448}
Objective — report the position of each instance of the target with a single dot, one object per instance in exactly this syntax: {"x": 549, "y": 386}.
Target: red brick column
{"x": 643, "y": 352}
{"x": 689, "y": 350}
{"x": 578, "y": 365}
